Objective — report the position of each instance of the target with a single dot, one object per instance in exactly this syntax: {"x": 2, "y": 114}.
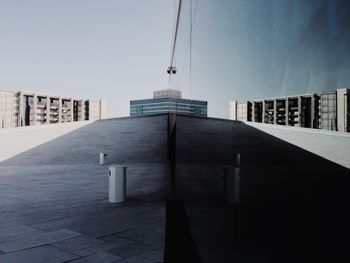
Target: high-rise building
{"x": 22, "y": 108}
{"x": 168, "y": 100}
{"x": 325, "y": 110}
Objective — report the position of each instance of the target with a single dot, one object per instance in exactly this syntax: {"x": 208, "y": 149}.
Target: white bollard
{"x": 232, "y": 193}
{"x": 238, "y": 159}
{"x": 102, "y": 158}
{"x": 117, "y": 183}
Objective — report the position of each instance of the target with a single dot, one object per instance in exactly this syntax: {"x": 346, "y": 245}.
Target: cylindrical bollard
{"x": 238, "y": 159}
{"x": 232, "y": 193}
{"x": 103, "y": 158}
{"x": 117, "y": 183}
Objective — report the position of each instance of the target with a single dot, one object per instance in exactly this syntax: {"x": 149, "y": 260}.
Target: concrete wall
{"x": 96, "y": 109}
{"x": 331, "y": 145}
{"x": 8, "y": 106}
{"x": 14, "y": 141}
{"x": 233, "y": 110}
{"x": 103, "y": 109}
{"x": 342, "y": 100}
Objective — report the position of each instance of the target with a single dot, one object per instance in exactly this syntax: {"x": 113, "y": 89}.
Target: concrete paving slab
{"x": 156, "y": 255}
{"x": 137, "y": 259}
{"x": 133, "y": 249}
{"x": 109, "y": 238}
{"x": 101, "y": 257}
{"x": 77, "y": 243}
{"x": 152, "y": 235}
{"x": 37, "y": 240}
{"x": 156, "y": 242}
{"x": 48, "y": 190}
{"x": 139, "y": 234}
{"x": 118, "y": 242}
{"x": 107, "y": 227}
{"x": 60, "y": 185}
{"x": 17, "y": 232}
{"x": 42, "y": 254}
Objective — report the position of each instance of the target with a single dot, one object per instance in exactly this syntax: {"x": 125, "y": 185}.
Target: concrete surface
{"x": 333, "y": 146}
{"x": 53, "y": 198}
{"x": 14, "y": 141}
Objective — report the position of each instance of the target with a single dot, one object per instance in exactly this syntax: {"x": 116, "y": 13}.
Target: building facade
{"x": 22, "y": 108}
{"x": 167, "y": 93}
{"x": 165, "y": 101}
{"x": 325, "y": 110}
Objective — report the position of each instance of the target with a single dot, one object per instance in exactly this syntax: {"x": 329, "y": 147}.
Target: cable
{"x": 182, "y": 69}
{"x": 175, "y": 33}
{"x": 190, "y": 49}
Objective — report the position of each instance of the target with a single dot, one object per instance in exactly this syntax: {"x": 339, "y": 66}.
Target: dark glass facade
{"x": 165, "y": 105}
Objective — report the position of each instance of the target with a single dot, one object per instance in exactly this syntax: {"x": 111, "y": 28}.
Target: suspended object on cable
{"x": 171, "y": 70}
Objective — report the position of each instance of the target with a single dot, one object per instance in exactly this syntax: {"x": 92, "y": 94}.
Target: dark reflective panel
{"x": 260, "y": 49}
{"x": 270, "y": 184}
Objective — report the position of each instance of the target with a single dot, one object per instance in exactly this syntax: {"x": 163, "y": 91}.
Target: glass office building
{"x": 169, "y": 102}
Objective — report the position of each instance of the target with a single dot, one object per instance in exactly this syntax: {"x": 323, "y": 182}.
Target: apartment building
{"x": 22, "y": 108}
{"x": 325, "y": 110}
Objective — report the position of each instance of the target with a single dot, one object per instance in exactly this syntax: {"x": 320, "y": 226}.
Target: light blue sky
{"x": 115, "y": 49}
{"x": 119, "y": 49}
{"x": 253, "y": 49}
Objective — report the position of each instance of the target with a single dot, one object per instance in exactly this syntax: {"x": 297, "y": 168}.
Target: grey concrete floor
{"x": 53, "y": 198}
{"x": 54, "y": 208}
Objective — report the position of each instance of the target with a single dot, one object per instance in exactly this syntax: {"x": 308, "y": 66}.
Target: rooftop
{"x": 54, "y": 207}
{"x": 54, "y": 204}
{"x": 167, "y": 93}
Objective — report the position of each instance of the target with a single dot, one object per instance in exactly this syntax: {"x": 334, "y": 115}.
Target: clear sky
{"x": 254, "y": 49}
{"x": 112, "y": 49}
{"x": 119, "y": 49}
